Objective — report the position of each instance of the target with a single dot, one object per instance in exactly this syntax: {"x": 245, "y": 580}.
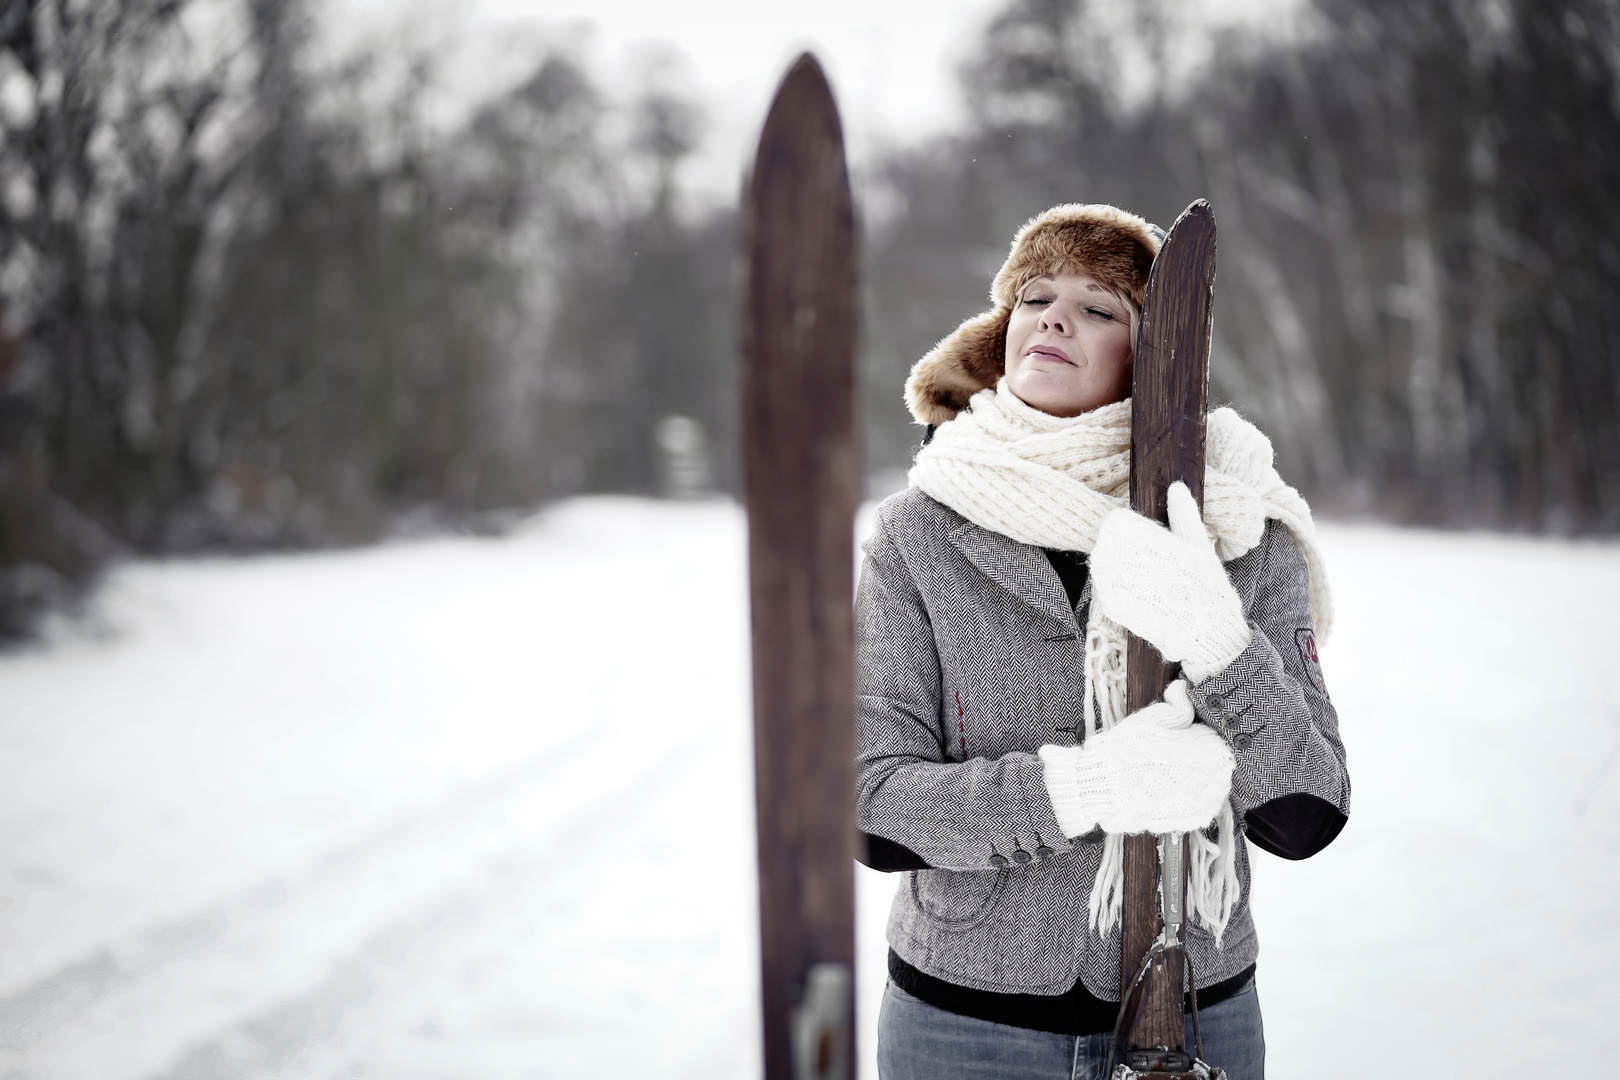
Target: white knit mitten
{"x": 1154, "y": 771}
{"x": 1169, "y": 587}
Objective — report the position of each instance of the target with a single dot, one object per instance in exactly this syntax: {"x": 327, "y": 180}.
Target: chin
{"x": 1057, "y": 400}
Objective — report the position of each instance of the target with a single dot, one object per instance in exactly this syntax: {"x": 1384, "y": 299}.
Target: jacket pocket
{"x": 957, "y": 899}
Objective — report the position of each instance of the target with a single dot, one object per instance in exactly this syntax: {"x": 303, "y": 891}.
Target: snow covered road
{"x": 480, "y": 808}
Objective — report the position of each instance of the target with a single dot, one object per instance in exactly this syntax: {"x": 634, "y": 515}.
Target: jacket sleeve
{"x": 1290, "y": 786}
{"x": 917, "y": 806}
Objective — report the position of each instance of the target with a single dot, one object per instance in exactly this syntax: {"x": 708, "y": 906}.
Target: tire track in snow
{"x": 34, "y": 1014}
{"x": 147, "y": 1000}
{"x": 287, "y": 1033}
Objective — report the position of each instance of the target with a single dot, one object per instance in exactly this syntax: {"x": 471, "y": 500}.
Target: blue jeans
{"x": 917, "y": 1041}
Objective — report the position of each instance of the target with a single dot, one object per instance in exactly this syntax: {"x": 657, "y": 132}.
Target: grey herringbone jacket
{"x": 969, "y": 659}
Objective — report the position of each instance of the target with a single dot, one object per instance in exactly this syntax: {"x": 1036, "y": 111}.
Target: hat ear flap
{"x": 972, "y": 358}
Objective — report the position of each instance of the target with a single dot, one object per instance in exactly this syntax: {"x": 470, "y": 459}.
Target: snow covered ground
{"x": 480, "y": 808}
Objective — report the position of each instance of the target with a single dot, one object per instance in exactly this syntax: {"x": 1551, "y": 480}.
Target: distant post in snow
{"x": 801, "y": 481}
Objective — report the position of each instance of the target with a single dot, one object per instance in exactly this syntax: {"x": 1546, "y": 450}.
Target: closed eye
{"x": 1102, "y": 313}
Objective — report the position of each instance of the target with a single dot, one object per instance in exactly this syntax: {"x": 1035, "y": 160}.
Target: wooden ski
{"x": 1170, "y": 396}
{"x": 801, "y": 482}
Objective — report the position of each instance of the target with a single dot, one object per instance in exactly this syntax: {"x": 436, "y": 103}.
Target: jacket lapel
{"x": 1021, "y": 569}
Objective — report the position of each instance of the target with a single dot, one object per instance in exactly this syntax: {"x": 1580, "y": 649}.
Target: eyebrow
{"x": 1093, "y": 287}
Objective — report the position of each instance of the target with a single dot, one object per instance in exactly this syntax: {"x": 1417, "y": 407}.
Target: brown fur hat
{"x": 1113, "y": 246}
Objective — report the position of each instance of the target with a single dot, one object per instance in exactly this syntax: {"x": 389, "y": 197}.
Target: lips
{"x": 1047, "y": 352}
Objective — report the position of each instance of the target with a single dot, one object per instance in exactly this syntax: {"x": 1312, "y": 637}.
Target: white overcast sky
{"x": 892, "y": 62}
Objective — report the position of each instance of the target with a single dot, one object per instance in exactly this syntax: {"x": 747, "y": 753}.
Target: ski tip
{"x": 1198, "y": 208}
{"x": 804, "y": 83}
{"x": 805, "y": 62}
{"x": 802, "y": 120}
{"x": 1195, "y": 228}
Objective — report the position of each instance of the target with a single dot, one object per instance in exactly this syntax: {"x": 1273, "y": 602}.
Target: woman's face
{"x": 1069, "y": 346}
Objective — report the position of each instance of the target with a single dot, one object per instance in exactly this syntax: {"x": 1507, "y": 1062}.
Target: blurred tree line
{"x": 255, "y": 299}
{"x": 1418, "y": 292}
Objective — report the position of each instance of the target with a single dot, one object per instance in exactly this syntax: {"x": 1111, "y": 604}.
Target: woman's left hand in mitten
{"x": 1154, "y": 771}
{"x": 1168, "y": 586}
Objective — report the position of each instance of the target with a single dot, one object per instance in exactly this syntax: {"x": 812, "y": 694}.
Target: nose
{"x": 1052, "y": 319}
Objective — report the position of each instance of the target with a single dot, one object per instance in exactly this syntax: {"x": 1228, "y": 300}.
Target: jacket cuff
{"x": 1061, "y": 774}
{"x": 1264, "y": 717}
{"x": 1238, "y": 642}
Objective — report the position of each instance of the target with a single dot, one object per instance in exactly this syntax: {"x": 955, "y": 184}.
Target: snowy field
{"x": 481, "y": 808}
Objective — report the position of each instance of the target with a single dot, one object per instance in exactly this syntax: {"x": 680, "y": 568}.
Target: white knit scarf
{"x": 1049, "y": 481}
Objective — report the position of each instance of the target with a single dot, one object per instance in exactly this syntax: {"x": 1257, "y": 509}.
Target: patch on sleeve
{"x": 1305, "y": 638}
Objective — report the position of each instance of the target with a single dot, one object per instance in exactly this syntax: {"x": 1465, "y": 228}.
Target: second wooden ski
{"x": 801, "y": 480}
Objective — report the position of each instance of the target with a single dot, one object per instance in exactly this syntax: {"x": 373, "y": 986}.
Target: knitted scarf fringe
{"x": 1050, "y": 481}
{"x": 1212, "y": 882}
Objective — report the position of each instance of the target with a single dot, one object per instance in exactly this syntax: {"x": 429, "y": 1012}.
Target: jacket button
{"x": 1044, "y": 852}
{"x": 1217, "y": 702}
{"x": 1022, "y": 857}
{"x": 1231, "y": 717}
{"x": 999, "y": 862}
{"x": 1242, "y": 741}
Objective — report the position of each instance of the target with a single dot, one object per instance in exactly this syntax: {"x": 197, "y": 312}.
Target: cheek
{"x": 1018, "y": 328}
{"x": 1115, "y": 348}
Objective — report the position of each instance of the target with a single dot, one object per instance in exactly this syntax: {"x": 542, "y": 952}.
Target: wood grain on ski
{"x": 1170, "y": 392}
{"x": 800, "y": 476}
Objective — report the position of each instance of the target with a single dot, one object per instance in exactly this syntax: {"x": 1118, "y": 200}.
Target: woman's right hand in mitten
{"x": 1169, "y": 587}
{"x": 1155, "y": 771}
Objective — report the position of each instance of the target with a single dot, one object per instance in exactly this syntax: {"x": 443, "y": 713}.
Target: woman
{"x": 996, "y": 762}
